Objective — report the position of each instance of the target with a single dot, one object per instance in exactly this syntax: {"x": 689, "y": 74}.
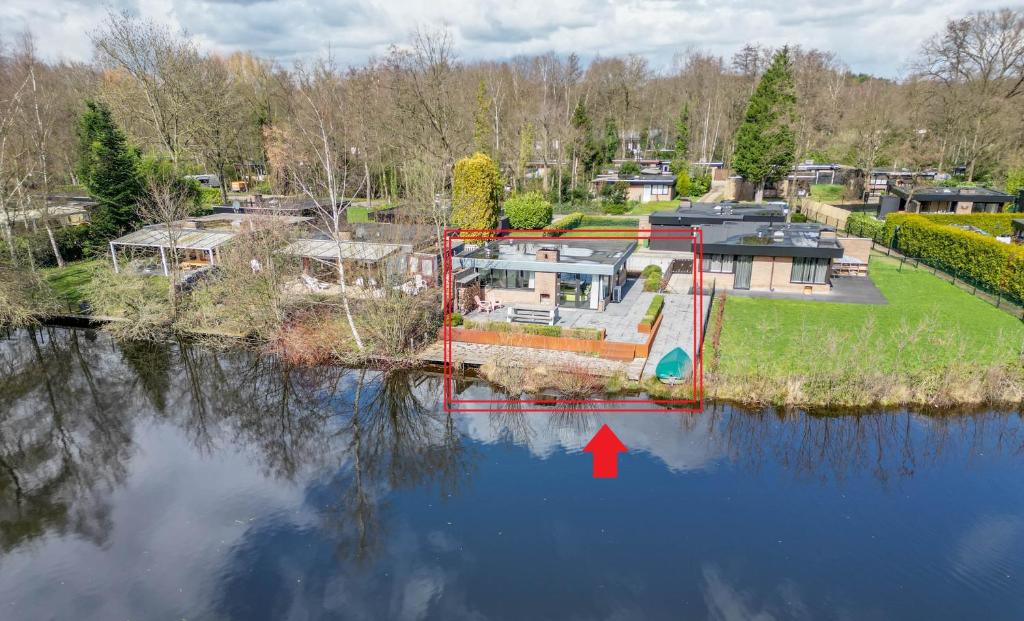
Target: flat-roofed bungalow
{"x": 583, "y": 273}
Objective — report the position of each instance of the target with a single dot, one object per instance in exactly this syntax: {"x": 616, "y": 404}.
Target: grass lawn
{"x": 603, "y": 222}
{"x": 927, "y": 324}
{"x": 361, "y": 213}
{"x": 826, "y": 192}
{"x": 645, "y": 208}
{"x": 70, "y": 281}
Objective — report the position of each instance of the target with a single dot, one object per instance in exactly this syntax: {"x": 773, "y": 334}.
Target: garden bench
{"x": 532, "y": 313}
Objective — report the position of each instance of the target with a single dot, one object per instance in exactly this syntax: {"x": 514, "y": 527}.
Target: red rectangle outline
{"x": 448, "y": 291}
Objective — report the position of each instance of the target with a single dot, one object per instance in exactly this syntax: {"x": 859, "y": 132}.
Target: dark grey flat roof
{"x": 773, "y": 240}
{"x": 710, "y": 213}
{"x": 587, "y": 256}
{"x": 967, "y": 194}
{"x": 648, "y": 179}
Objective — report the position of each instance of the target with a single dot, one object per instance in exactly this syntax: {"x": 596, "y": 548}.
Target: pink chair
{"x": 483, "y": 305}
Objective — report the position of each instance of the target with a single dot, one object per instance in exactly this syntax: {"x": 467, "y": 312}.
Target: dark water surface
{"x": 158, "y": 482}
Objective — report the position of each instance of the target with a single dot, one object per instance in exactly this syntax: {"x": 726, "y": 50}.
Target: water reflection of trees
{"x": 889, "y": 445}
{"x": 71, "y": 403}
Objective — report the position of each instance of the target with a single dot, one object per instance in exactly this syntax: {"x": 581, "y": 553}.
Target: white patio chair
{"x": 483, "y": 305}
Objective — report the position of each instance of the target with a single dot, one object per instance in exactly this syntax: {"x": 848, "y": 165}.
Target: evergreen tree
{"x": 611, "y": 141}
{"x": 584, "y": 148}
{"x": 482, "y": 120}
{"x": 765, "y": 143}
{"x": 476, "y": 188}
{"x": 683, "y": 133}
{"x": 109, "y": 168}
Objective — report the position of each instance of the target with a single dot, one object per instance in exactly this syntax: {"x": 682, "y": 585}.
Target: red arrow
{"x": 605, "y": 446}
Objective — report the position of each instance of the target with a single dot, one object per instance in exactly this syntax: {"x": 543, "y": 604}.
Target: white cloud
{"x": 875, "y": 36}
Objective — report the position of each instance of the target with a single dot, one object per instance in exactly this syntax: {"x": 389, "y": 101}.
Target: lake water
{"x": 160, "y": 482}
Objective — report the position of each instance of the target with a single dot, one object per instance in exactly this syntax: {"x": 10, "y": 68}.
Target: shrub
{"x": 652, "y": 277}
{"x": 700, "y": 184}
{"x": 653, "y": 310}
{"x": 528, "y": 211}
{"x": 476, "y": 187}
{"x": 570, "y": 221}
{"x": 614, "y": 193}
{"x": 683, "y": 183}
{"x": 456, "y": 319}
{"x": 864, "y": 225}
{"x": 615, "y": 209}
{"x": 629, "y": 169}
{"x": 589, "y": 334}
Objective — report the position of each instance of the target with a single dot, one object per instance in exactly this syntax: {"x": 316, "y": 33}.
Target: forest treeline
{"x": 394, "y": 127}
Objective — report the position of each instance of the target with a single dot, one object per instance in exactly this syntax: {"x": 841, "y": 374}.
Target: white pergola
{"x": 330, "y": 250}
{"x": 160, "y": 238}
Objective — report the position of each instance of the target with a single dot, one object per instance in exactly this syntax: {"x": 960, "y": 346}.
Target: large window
{"x": 809, "y": 271}
{"x": 718, "y": 263}
{"x": 659, "y": 190}
{"x": 505, "y": 279}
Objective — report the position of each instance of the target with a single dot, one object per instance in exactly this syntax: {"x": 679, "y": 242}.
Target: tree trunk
{"x": 223, "y": 182}
{"x": 53, "y": 244}
{"x": 344, "y": 302}
{"x": 10, "y": 243}
{"x": 759, "y": 194}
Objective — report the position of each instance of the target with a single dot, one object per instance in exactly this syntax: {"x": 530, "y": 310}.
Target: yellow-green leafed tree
{"x": 476, "y": 189}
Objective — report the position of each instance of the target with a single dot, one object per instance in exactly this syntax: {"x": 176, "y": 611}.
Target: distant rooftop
{"x": 962, "y": 193}
{"x": 720, "y": 212}
{"x": 663, "y": 179}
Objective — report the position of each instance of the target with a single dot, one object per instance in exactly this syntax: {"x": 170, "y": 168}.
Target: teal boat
{"x": 673, "y": 367}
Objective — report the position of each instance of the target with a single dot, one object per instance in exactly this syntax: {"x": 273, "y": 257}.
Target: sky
{"x": 871, "y": 36}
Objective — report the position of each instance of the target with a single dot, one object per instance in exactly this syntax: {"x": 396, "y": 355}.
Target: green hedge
{"x": 991, "y": 223}
{"x": 570, "y": 221}
{"x": 973, "y": 257}
{"x": 588, "y": 334}
{"x": 864, "y": 225}
{"x": 657, "y": 302}
{"x": 652, "y": 277}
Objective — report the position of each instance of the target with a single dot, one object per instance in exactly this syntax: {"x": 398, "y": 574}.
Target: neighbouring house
{"x": 584, "y": 273}
{"x": 947, "y": 200}
{"x": 750, "y": 255}
{"x": 59, "y": 215}
{"x": 798, "y": 181}
{"x": 642, "y": 188}
{"x": 716, "y": 213}
{"x": 207, "y": 180}
{"x": 655, "y": 165}
{"x": 880, "y": 180}
{"x": 717, "y": 169}
{"x": 194, "y": 248}
{"x": 373, "y": 254}
{"x": 274, "y": 205}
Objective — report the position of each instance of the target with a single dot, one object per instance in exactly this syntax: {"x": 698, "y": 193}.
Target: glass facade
{"x": 809, "y": 271}
{"x": 506, "y": 279}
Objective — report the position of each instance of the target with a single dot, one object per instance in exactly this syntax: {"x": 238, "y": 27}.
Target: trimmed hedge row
{"x": 991, "y": 223}
{"x": 973, "y": 257}
{"x": 588, "y": 334}
{"x": 653, "y": 311}
{"x": 570, "y": 221}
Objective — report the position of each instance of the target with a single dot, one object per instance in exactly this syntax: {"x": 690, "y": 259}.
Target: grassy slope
{"x": 827, "y": 192}
{"x": 927, "y": 323}
{"x": 69, "y": 282}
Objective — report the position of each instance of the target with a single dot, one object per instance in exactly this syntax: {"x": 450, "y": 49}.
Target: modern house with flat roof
{"x": 642, "y": 188}
{"x": 750, "y": 255}
{"x": 950, "y": 200}
{"x": 585, "y": 273}
{"x": 717, "y": 213}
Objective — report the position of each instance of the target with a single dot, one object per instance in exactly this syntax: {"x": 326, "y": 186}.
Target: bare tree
{"x": 167, "y": 204}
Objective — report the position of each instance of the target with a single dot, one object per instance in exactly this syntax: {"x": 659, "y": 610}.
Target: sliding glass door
{"x": 743, "y": 265}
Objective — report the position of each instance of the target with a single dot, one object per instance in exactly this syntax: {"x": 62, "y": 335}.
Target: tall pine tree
{"x": 109, "y": 168}
{"x": 611, "y": 141}
{"x": 683, "y": 133}
{"x": 765, "y": 143}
